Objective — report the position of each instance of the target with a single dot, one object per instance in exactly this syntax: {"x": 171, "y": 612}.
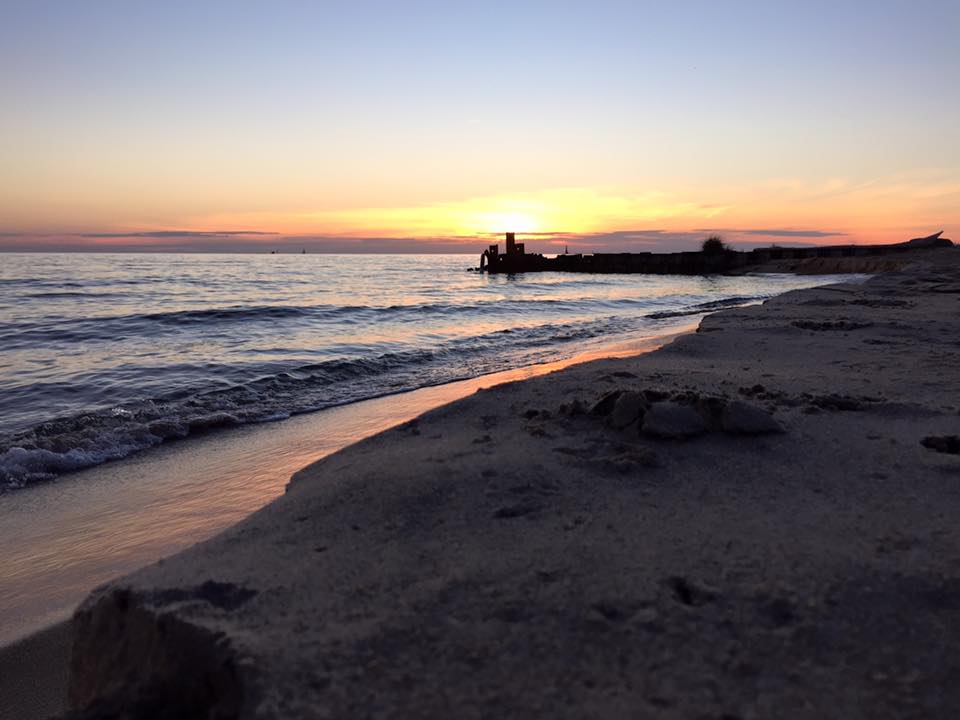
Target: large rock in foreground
{"x": 511, "y": 555}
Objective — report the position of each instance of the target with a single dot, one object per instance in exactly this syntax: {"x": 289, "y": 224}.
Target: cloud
{"x": 163, "y": 234}
{"x": 776, "y": 232}
{"x": 638, "y": 240}
{"x": 242, "y": 241}
{"x": 794, "y": 233}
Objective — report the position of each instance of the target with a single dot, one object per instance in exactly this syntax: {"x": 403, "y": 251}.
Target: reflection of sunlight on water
{"x": 135, "y": 327}
{"x": 64, "y": 538}
{"x": 250, "y": 318}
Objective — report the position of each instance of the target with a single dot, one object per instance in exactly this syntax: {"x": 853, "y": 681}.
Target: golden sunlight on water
{"x": 62, "y": 539}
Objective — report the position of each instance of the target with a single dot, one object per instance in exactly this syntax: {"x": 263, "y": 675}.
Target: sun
{"x": 506, "y": 221}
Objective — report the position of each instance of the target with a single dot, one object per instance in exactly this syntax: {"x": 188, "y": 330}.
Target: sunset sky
{"x": 430, "y": 125}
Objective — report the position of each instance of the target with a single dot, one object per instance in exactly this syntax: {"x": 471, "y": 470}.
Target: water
{"x": 102, "y": 355}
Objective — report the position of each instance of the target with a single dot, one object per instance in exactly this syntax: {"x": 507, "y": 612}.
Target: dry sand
{"x": 34, "y": 673}
{"x": 541, "y": 549}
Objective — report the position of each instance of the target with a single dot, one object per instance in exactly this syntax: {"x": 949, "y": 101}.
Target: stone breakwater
{"x": 719, "y": 259}
{"x": 758, "y": 520}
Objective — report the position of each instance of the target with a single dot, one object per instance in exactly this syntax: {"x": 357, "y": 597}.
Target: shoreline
{"x": 30, "y": 653}
{"x": 61, "y": 444}
{"x": 302, "y": 439}
{"x": 794, "y": 555}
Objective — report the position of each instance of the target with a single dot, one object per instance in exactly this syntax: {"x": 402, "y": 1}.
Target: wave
{"x": 19, "y": 335}
{"x": 707, "y": 307}
{"x": 62, "y": 445}
{"x": 66, "y": 294}
{"x": 103, "y": 356}
{"x": 217, "y": 315}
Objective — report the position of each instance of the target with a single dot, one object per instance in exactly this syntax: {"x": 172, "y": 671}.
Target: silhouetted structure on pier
{"x": 516, "y": 260}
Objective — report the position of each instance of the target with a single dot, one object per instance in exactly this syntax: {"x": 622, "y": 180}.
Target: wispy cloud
{"x": 790, "y": 233}
{"x": 644, "y": 240}
{"x": 632, "y": 240}
{"x": 184, "y": 234}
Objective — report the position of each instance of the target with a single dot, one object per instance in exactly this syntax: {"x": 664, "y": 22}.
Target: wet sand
{"x": 758, "y": 520}
{"x": 110, "y": 520}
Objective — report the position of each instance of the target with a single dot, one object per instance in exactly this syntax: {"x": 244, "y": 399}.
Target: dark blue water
{"x": 102, "y": 355}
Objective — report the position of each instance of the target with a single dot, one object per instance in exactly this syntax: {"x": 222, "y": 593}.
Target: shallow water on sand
{"x": 64, "y": 538}
{"x": 104, "y": 355}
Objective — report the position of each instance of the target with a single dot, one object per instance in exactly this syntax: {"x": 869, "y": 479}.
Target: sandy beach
{"x": 757, "y": 520}
{"x": 479, "y": 360}
{"x": 112, "y": 519}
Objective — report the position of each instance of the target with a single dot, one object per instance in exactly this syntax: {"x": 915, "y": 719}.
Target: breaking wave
{"x": 105, "y": 355}
{"x": 74, "y": 442}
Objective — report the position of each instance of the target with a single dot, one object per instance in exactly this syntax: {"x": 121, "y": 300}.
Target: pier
{"x": 700, "y": 262}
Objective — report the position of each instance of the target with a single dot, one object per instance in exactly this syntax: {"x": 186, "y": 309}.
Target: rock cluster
{"x": 681, "y": 416}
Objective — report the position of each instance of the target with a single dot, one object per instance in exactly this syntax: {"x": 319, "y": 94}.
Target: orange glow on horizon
{"x": 866, "y": 212}
{"x": 834, "y": 211}
{"x": 574, "y": 211}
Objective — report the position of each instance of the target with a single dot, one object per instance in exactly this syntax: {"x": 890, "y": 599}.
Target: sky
{"x": 433, "y": 126}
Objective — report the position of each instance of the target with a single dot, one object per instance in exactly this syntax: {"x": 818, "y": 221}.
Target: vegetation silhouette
{"x": 714, "y": 245}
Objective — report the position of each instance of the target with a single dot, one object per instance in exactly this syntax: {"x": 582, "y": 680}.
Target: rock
{"x": 629, "y": 407}
{"x": 740, "y": 418}
{"x": 669, "y": 420}
{"x": 604, "y": 406}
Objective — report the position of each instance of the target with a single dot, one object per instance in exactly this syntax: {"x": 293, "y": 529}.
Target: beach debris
{"x": 740, "y": 418}
{"x": 628, "y": 408}
{"x": 672, "y": 421}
